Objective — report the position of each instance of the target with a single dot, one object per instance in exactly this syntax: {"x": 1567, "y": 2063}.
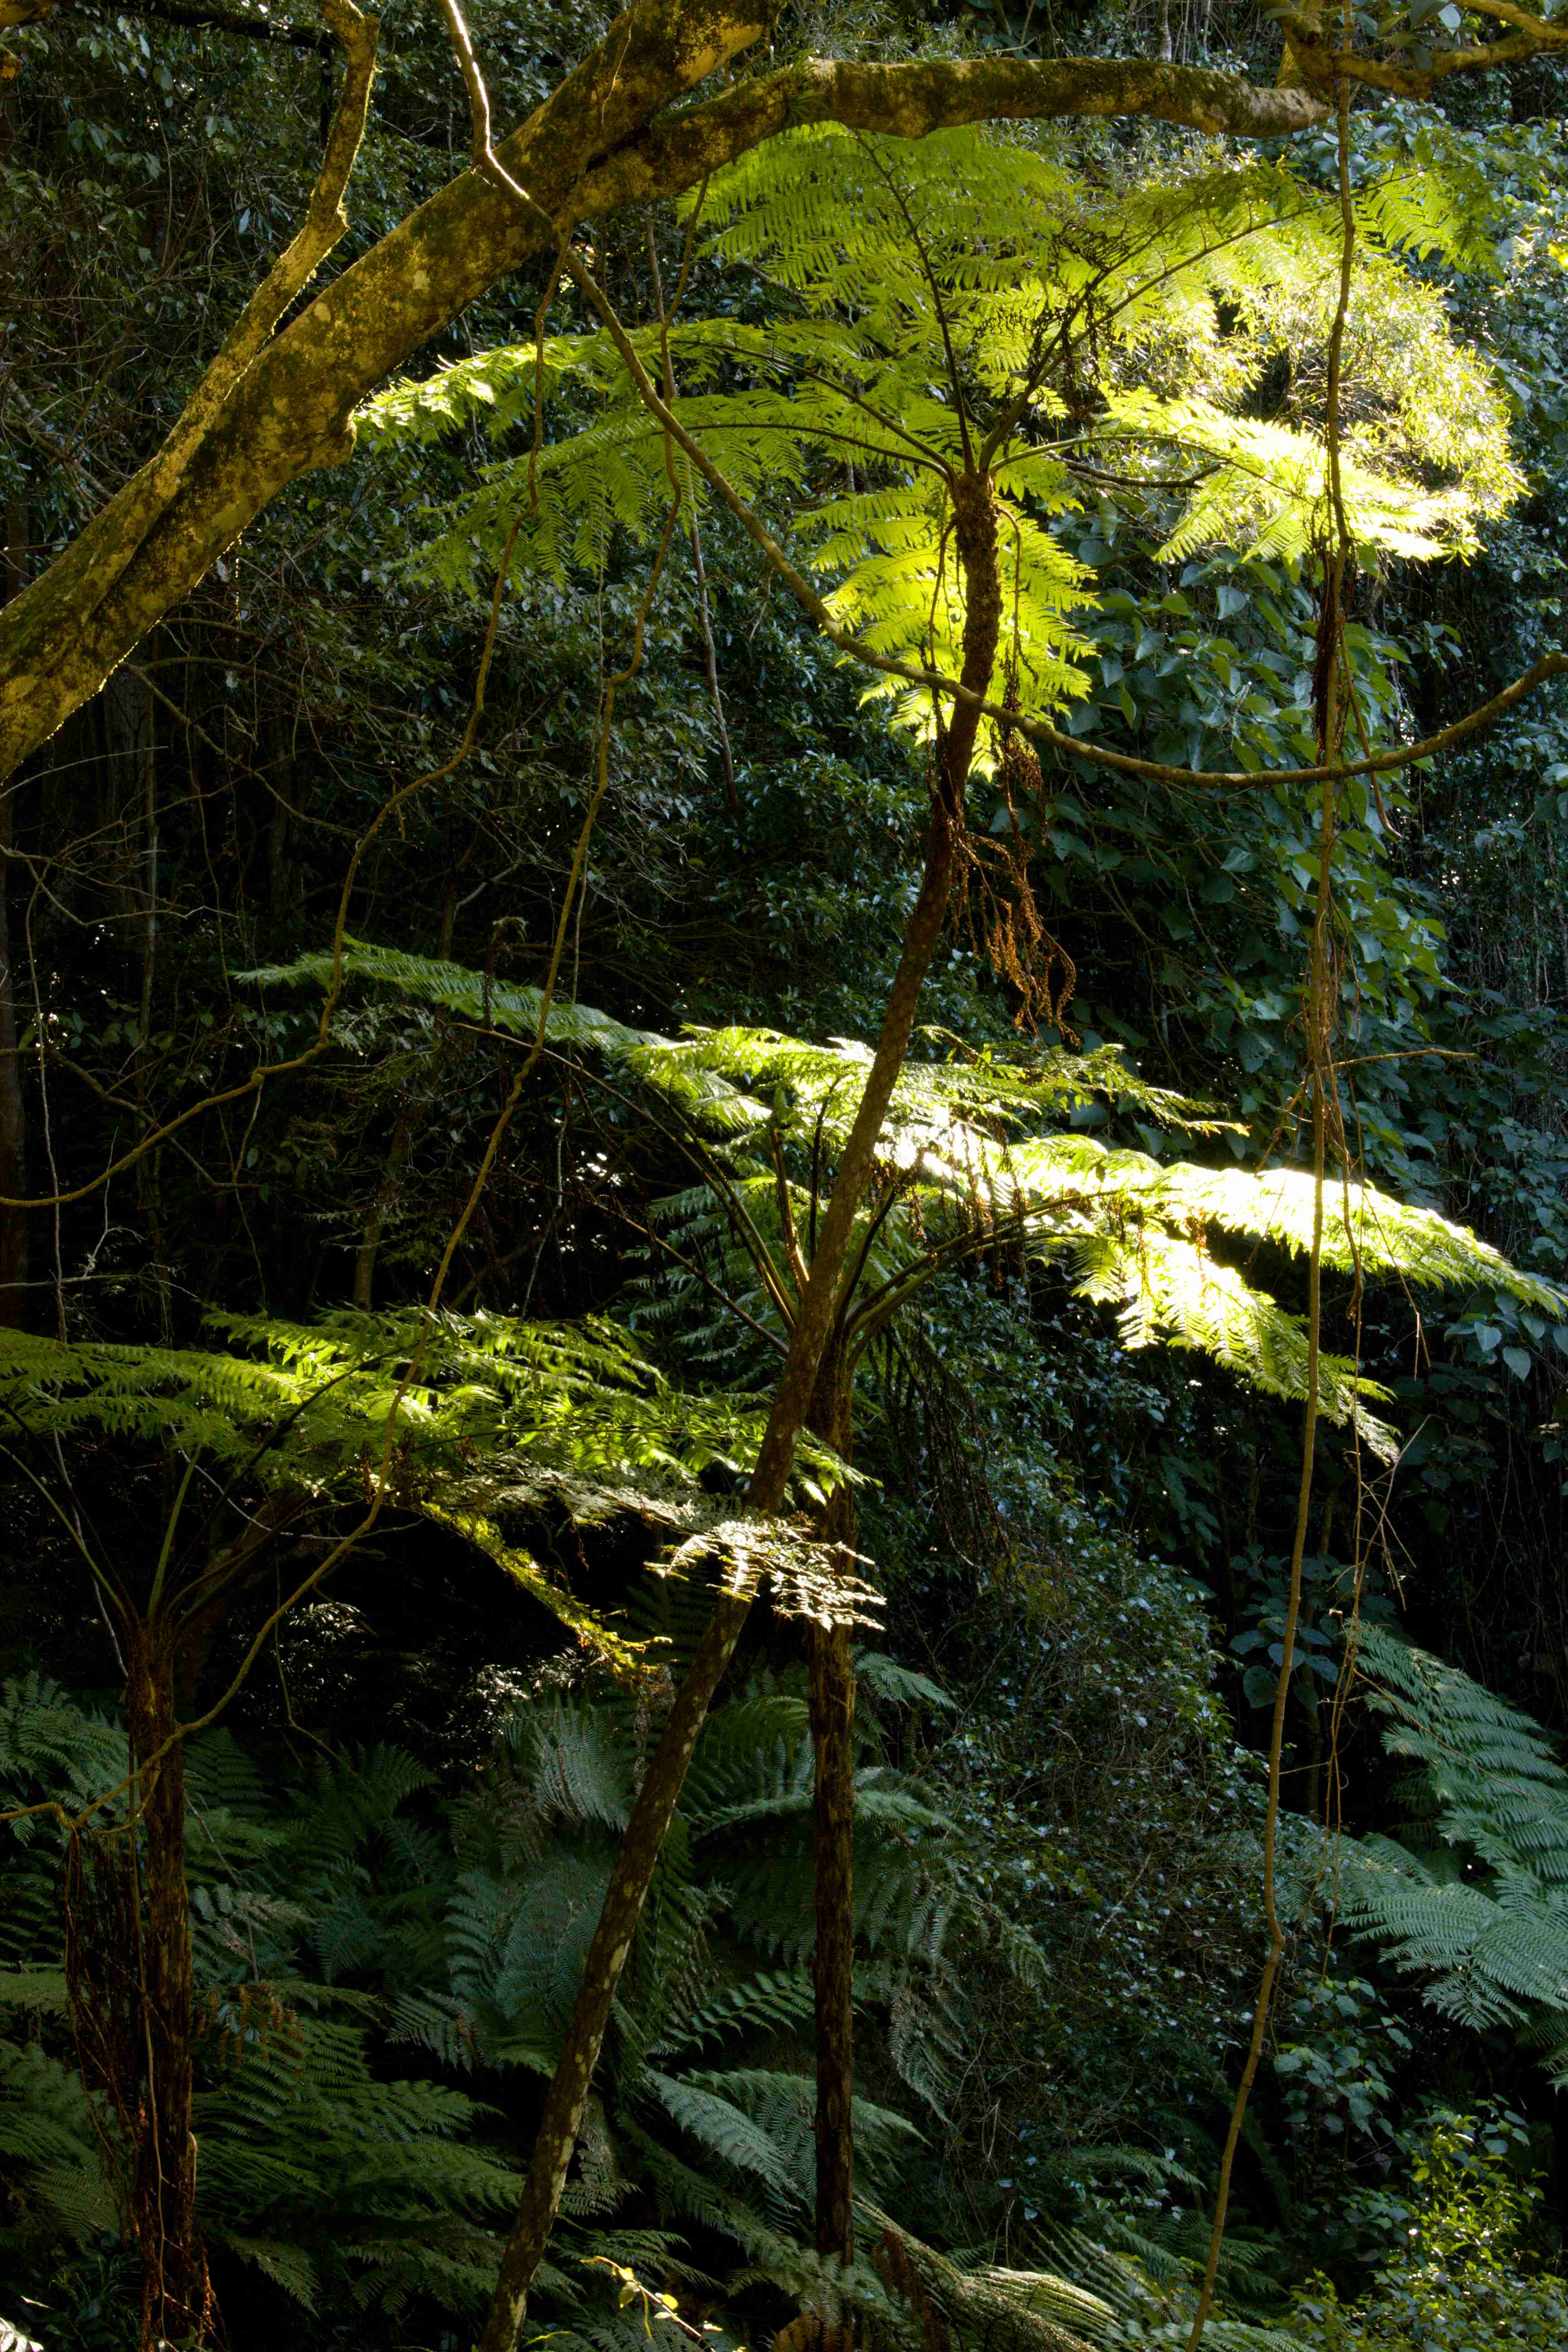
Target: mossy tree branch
{"x": 274, "y": 405}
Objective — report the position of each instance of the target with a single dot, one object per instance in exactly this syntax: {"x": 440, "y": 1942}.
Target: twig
{"x": 704, "y": 618}
{"x": 263, "y": 1071}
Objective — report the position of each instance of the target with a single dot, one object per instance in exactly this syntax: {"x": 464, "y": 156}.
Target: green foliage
{"x": 968, "y": 294}
{"x": 1088, "y": 2296}
{"x": 341, "y": 1921}
{"x": 1478, "y": 1910}
{"x": 47, "y": 2136}
{"x": 312, "y": 1403}
{"x": 465, "y": 1419}
{"x": 1017, "y": 1464}
{"x": 1467, "y": 2274}
{"x": 52, "y": 1752}
{"x": 970, "y": 1170}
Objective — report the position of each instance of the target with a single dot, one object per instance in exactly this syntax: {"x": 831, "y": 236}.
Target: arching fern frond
{"x": 1481, "y": 1917}
{"x": 970, "y": 1139}
{"x": 916, "y": 284}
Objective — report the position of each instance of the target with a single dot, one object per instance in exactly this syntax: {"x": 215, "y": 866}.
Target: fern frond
{"x": 1484, "y": 1923}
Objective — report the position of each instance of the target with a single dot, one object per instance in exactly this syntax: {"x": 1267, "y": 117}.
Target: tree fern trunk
{"x": 832, "y": 1962}
{"x": 831, "y": 1646}
{"x": 13, "y": 1118}
{"x": 975, "y": 534}
{"x": 660, "y": 1791}
{"x": 175, "y": 2298}
{"x": 833, "y": 1959}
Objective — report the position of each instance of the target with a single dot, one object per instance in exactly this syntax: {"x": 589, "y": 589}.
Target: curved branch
{"x": 599, "y": 142}
{"x": 1324, "y": 67}
{"x": 592, "y": 147}
{"x": 209, "y": 20}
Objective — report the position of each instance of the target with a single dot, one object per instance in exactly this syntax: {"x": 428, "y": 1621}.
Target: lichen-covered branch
{"x": 283, "y": 405}
{"x": 83, "y": 581}
{"x": 275, "y": 406}
{"x": 1319, "y": 64}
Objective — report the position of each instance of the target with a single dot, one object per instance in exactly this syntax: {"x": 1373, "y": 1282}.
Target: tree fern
{"x": 736, "y": 1878}
{"x": 967, "y": 1161}
{"x": 303, "y": 2134}
{"x": 351, "y": 1929}
{"x": 1089, "y": 2296}
{"x": 918, "y": 286}
{"x": 1479, "y": 1910}
{"x": 49, "y": 2148}
{"x": 503, "y": 1413}
{"x": 51, "y": 1752}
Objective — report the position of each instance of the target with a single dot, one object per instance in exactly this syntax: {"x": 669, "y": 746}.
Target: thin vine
{"x": 1320, "y": 1020}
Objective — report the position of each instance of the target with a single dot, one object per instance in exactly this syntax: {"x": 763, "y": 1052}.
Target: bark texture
{"x": 830, "y": 1657}
{"x": 176, "y": 2303}
{"x": 833, "y": 1957}
{"x": 288, "y": 408}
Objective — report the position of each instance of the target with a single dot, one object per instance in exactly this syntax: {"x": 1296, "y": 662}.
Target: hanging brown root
{"x": 998, "y": 904}
{"x": 900, "y": 2277}
{"x": 804, "y": 2334}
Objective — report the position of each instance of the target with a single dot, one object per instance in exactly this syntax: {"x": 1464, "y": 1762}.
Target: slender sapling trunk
{"x": 13, "y": 1120}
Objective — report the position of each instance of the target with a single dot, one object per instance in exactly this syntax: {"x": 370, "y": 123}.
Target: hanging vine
{"x": 1332, "y": 699}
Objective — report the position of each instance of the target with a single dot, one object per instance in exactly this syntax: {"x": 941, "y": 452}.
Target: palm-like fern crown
{"x": 976, "y": 1150}
{"x": 582, "y": 1392}
{"x": 965, "y": 302}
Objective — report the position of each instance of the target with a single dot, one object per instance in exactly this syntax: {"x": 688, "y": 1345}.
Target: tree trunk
{"x": 975, "y": 534}
{"x": 660, "y": 1791}
{"x": 290, "y": 406}
{"x": 13, "y": 1118}
{"x": 831, "y": 1658}
{"x": 830, "y": 1647}
{"x": 177, "y": 2301}
{"x": 833, "y": 1962}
